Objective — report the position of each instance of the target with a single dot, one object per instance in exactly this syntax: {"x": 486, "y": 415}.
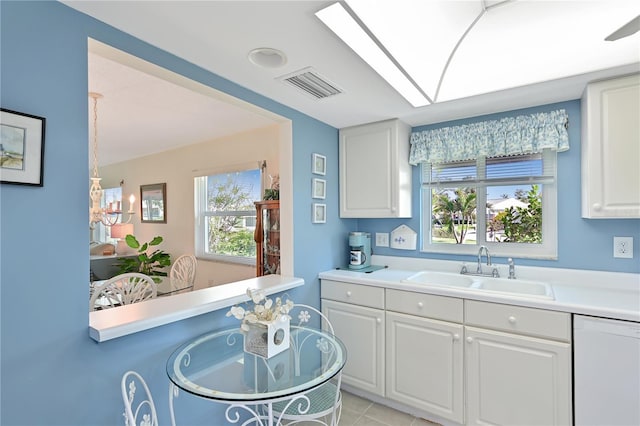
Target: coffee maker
{"x": 359, "y": 250}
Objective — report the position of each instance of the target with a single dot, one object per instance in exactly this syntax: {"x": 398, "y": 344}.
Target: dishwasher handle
{"x": 607, "y": 326}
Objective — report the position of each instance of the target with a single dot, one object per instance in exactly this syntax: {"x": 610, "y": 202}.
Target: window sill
{"x": 117, "y": 322}
{"x": 247, "y": 261}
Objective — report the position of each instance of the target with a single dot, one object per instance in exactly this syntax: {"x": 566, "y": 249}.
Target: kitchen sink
{"x": 516, "y": 287}
{"x": 440, "y": 278}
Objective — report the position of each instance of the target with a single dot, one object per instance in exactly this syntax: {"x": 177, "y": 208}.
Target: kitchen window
{"x": 506, "y": 203}
{"x": 226, "y": 215}
{"x": 491, "y": 183}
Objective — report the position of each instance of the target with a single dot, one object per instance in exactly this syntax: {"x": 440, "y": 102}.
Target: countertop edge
{"x": 113, "y": 323}
{"x": 392, "y": 279}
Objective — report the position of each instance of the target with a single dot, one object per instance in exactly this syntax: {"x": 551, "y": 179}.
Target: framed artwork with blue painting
{"x": 21, "y": 148}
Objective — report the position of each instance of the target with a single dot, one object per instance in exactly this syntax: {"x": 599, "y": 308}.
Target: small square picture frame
{"x": 318, "y": 164}
{"x": 319, "y": 213}
{"x": 318, "y": 188}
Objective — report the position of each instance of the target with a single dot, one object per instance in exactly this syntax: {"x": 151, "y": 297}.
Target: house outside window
{"x": 518, "y": 199}
{"x": 226, "y": 215}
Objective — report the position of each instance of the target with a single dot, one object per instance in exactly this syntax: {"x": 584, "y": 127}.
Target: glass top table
{"x": 215, "y": 366}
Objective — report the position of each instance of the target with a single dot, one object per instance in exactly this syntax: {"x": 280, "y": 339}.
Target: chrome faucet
{"x": 494, "y": 270}
{"x": 486, "y": 250}
{"x": 512, "y": 269}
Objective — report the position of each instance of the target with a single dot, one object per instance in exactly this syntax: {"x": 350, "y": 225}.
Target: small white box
{"x": 267, "y": 339}
{"x": 404, "y": 238}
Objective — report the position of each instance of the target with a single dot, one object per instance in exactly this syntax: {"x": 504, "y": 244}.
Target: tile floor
{"x": 358, "y": 411}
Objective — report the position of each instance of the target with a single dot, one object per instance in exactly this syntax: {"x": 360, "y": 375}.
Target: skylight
{"x": 439, "y": 50}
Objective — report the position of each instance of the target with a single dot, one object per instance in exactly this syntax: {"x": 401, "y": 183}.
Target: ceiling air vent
{"x": 310, "y": 82}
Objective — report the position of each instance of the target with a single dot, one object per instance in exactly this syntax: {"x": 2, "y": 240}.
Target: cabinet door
{"x": 375, "y": 175}
{"x": 425, "y": 364}
{"x": 361, "y": 329}
{"x": 611, "y": 149}
{"x": 516, "y": 380}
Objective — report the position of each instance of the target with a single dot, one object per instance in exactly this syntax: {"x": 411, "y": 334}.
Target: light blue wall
{"x": 52, "y": 373}
{"x": 582, "y": 243}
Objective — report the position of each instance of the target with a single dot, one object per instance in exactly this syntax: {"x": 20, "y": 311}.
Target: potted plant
{"x": 151, "y": 265}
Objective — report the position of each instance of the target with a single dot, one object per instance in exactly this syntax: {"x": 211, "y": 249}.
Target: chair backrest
{"x": 300, "y": 316}
{"x": 184, "y": 268}
{"x": 141, "y": 410}
{"x": 123, "y": 289}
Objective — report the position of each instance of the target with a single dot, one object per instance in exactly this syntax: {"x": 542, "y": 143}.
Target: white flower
{"x": 322, "y": 344}
{"x": 268, "y": 303}
{"x": 237, "y": 312}
{"x": 264, "y": 309}
{"x": 146, "y": 420}
{"x": 256, "y": 295}
{"x": 304, "y": 316}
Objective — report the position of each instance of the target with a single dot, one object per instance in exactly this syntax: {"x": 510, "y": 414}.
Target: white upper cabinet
{"x": 375, "y": 175}
{"x": 611, "y": 149}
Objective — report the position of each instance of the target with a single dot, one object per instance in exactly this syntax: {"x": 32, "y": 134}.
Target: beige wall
{"x": 178, "y": 168}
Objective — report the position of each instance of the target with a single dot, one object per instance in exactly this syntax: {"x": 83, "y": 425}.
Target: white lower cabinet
{"x": 425, "y": 364}
{"x": 465, "y": 361}
{"x": 516, "y": 380}
{"x": 512, "y": 377}
{"x": 361, "y": 329}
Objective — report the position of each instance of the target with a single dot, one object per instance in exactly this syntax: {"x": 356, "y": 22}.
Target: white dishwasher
{"x": 606, "y": 359}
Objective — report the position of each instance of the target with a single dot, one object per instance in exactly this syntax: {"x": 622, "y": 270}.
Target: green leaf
{"x": 155, "y": 241}
{"x": 131, "y": 241}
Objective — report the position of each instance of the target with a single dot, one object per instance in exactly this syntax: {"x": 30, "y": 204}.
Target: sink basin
{"x": 440, "y": 278}
{"x": 516, "y": 287}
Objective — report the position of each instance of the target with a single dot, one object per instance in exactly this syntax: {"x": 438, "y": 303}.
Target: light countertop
{"x": 598, "y": 293}
{"x": 112, "y": 323}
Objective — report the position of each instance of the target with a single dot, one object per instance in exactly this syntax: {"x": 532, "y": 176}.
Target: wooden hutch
{"x": 267, "y": 237}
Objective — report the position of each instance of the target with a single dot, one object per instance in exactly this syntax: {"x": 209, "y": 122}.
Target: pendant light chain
{"x": 95, "y": 97}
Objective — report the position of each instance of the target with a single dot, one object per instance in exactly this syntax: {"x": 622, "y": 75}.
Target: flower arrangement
{"x": 264, "y": 311}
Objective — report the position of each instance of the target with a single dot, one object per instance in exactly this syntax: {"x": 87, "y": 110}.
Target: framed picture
{"x": 319, "y": 188}
{"x": 153, "y": 203}
{"x": 319, "y": 164}
{"x": 319, "y": 213}
{"x": 21, "y": 148}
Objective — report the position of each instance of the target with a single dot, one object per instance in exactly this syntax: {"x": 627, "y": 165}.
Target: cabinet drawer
{"x": 517, "y": 319}
{"x": 425, "y": 305}
{"x": 352, "y": 293}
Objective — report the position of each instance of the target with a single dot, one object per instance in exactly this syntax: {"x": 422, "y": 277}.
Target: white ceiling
{"x": 217, "y": 36}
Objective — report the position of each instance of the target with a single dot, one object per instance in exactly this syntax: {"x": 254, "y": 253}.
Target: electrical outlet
{"x": 623, "y": 247}
{"x": 382, "y": 239}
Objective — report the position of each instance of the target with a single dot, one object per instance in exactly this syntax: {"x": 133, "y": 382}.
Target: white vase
{"x": 267, "y": 339}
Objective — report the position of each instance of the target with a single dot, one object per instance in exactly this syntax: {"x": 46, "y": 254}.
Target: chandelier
{"x": 109, "y": 215}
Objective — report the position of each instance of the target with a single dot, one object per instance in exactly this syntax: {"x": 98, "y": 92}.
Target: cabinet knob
{"x": 456, "y": 337}
{"x": 512, "y": 319}
{"x": 597, "y": 207}
{"x": 469, "y": 339}
{"x": 348, "y": 294}
{"x": 420, "y": 305}
{"x": 379, "y": 320}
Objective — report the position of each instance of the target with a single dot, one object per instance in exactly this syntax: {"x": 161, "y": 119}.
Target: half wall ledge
{"x": 125, "y": 320}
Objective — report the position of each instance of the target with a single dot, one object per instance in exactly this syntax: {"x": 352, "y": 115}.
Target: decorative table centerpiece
{"x": 266, "y": 325}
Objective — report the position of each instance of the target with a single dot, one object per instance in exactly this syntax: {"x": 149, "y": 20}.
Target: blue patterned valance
{"x": 525, "y": 134}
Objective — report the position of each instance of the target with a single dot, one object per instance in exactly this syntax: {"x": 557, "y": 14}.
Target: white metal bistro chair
{"x": 123, "y": 289}
{"x": 325, "y": 402}
{"x": 184, "y": 268}
{"x": 137, "y": 411}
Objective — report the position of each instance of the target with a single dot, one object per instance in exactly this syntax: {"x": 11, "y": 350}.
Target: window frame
{"x": 201, "y": 214}
{"x": 548, "y": 249}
